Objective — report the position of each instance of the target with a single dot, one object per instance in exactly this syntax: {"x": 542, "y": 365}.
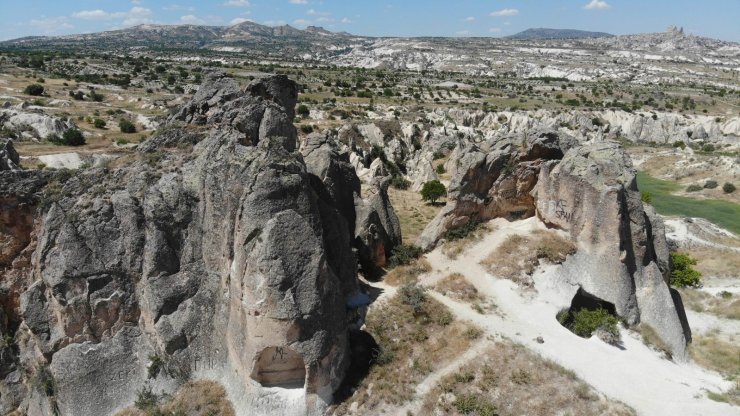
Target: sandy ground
{"x": 634, "y": 375}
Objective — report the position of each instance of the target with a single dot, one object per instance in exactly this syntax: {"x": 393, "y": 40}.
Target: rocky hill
{"x": 544, "y": 33}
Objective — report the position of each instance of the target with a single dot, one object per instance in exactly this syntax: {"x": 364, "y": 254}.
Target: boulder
{"x": 622, "y": 252}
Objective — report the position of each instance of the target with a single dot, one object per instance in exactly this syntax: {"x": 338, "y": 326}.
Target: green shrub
{"x": 441, "y": 169}
{"x": 682, "y": 274}
{"x": 432, "y": 191}
{"x": 586, "y": 321}
{"x": 303, "y": 111}
{"x": 99, "y": 123}
{"x": 414, "y": 296}
{"x": 126, "y": 126}
{"x": 34, "y": 89}
{"x": 73, "y": 137}
{"x": 463, "y": 231}
{"x": 306, "y": 129}
{"x": 647, "y": 197}
{"x": 728, "y": 188}
{"x": 399, "y": 182}
{"x": 404, "y": 254}
{"x": 694, "y": 188}
{"x": 711, "y": 184}
{"x": 679, "y": 144}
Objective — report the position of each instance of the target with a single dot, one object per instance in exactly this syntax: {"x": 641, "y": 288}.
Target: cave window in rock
{"x": 279, "y": 367}
{"x": 589, "y": 315}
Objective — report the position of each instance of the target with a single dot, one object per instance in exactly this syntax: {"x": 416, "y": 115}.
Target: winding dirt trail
{"x": 634, "y": 375}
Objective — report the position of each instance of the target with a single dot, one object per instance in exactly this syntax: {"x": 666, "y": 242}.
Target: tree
{"x": 303, "y": 111}
{"x": 126, "y": 126}
{"x": 432, "y": 191}
{"x": 683, "y": 274}
{"x": 73, "y": 137}
{"x": 34, "y": 89}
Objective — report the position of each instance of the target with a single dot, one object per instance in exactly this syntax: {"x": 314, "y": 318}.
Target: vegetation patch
{"x": 682, "y": 272}
{"x": 202, "y": 397}
{"x": 723, "y": 213}
{"x": 510, "y": 380}
{"x": 416, "y": 335}
{"x": 409, "y": 273}
{"x": 457, "y": 286}
{"x": 518, "y": 256}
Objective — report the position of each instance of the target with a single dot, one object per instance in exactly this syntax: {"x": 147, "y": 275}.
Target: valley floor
{"x": 634, "y": 374}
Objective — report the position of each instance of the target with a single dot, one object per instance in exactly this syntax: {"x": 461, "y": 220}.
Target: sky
{"x": 714, "y": 18}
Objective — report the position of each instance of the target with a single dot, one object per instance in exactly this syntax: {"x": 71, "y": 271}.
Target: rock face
{"x": 33, "y": 125}
{"x": 495, "y": 183}
{"x": 226, "y": 262}
{"x": 622, "y": 253}
{"x": 378, "y": 230}
{"x": 9, "y": 159}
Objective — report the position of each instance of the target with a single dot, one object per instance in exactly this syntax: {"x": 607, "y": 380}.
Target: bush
{"x": 441, "y": 169}
{"x": 404, "y": 254}
{"x": 99, "y": 123}
{"x": 711, "y": 184}
{"x": 97, "y": 97}
{"x": 432, "y": 191}
{"x": 679, "y": 144}
{"x": 682, "y": 274}
{"x": 414, "y": 296}
{"x": 694, "y": 188}
{"x": 71, "y": 137}
{"x": 470, "y": 404}
{"x": 586, "y": 321}
{"x": 646, "y": 197}
{"x": 303, "y": 111}
{"x": 399, "y": 182}
{"x": 728, "y": 188}
{"x": 126, "y": 126}
{"x": 146, "y": 399}
{"x": 463, "y": 231}
{"x": 34, "y": 89}
{"x": 306, "y": 129}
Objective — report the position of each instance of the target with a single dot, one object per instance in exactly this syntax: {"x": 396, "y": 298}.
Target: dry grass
{"x": 725, "y": 305}
{"x": 518, "y": 256}
{"x": 413, "y": 213}
{"x": 457, "y": 286}
{"x": 411, "y": 346}
{"x": 454, "y": 248}
{"x": 652, "y": 340}
{"x": 510, "y": 380}
{"x": 202, "y": 397}
{"x": 714, "y": 262}
{"x": 410, "y": 273}
{"x": 716, "y": 354}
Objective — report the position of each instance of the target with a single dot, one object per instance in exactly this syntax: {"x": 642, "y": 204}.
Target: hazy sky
{"x": 714, "y": 18}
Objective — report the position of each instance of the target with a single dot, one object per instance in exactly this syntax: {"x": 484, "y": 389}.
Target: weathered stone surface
{"x": 378, "y": 230}
{"x": 232, "y": 261}
{"x": 621, "y": 254}
{"x": 30, "y": 124}
{"x": 9, "y": 159}
{"x": 494, "y": 183}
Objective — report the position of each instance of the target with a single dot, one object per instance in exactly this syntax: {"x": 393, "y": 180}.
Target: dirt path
{"x": 635, "y": 375}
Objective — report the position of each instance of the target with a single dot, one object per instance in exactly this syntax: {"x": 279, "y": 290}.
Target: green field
{"x": 723, "y": 213}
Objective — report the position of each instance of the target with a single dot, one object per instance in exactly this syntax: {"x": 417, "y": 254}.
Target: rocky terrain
{"x": 242, "y": 219}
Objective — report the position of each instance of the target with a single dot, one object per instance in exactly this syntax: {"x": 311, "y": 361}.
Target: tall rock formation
{"x": 224, "y": 262}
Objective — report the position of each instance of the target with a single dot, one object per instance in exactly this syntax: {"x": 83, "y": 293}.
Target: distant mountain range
{"x": 544, "y": 33}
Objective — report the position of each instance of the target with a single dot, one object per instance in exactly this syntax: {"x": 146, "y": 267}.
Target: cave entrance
{"x": 279, "y": 367}
{"x": 585, "y": 300}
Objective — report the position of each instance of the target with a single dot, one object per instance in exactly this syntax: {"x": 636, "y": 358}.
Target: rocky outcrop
{"x": 495, "y": 183}
{"x": 378, "y": 230}
{"x": 9, "y": 159}
{"x": 221, "y": 102}
{"x": 622, "y": 253}
{"x": 29, "y": 124}
{"x": 225, "y": 262}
